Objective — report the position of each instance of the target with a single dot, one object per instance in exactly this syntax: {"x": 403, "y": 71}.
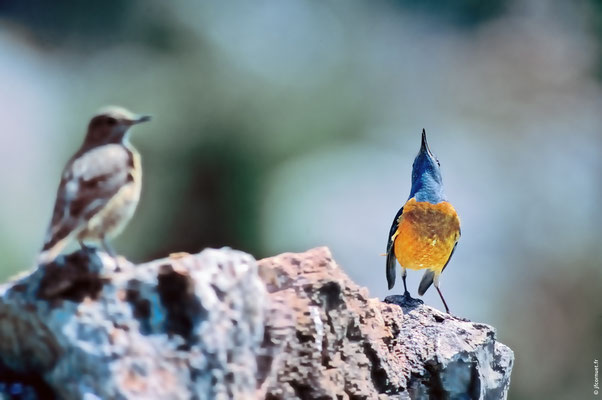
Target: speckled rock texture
{"x": 219, "y": 325}
{"x": 185, "y": 327}
{"x": 335, "y": 342}
{"x": 447, "y": 357}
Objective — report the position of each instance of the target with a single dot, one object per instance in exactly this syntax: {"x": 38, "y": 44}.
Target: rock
{"x": 218, "y": 325}
{"x": 167, "y": 329}
{"x": 330, "y": 340}
{"x": 450, "y": 357}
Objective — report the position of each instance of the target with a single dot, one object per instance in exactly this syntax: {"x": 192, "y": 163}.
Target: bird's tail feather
{"x": 391, "y": 268}
{"x": 52, "y": 249}
{"x": 426, "y": 281}
{"x": 48, "y": 256}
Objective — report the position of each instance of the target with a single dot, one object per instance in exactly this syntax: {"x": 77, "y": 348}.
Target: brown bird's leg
{"x": 83, "y": 246}
{"x": 442, "y": 299}
{"x": 107, "y": 247}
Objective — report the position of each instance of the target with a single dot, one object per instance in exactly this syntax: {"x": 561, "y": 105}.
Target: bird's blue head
{"x": 427, "y": 184}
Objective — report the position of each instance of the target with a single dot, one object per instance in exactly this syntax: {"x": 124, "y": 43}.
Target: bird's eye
{"x": 111, "y": 121}
{"x": 438, "y": 163}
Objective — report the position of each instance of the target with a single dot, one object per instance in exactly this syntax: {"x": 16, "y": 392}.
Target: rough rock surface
{"x": 335, "y": 342}
{"x": 218, "y": 325}
{"x": 171, "y": 329}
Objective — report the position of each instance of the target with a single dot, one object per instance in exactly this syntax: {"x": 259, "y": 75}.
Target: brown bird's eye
{"x": 111, "y": 121}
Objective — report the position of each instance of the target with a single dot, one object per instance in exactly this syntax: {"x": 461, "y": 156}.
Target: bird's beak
{"x": 141, "y": 118}
{"x": 136, "y": 119}
{"x": 424, "y": 147}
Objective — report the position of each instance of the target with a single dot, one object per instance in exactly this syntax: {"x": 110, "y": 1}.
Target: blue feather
{"x": 427, "y": 184}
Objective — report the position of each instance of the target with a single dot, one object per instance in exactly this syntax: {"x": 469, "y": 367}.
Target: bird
{"x": 100, "y": 185}
{"x": 425, "y": 231}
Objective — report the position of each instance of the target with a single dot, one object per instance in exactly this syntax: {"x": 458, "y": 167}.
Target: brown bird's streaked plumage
{"x": 100, "y": 185}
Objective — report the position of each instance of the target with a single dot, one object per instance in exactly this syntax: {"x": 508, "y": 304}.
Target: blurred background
{"x": 284, "y": 125}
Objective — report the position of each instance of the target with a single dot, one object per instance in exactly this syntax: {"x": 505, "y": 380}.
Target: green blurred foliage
{"x": 89, "y": 26}
{"x": 595, "y": 23}
{"x": 462, "y": 13}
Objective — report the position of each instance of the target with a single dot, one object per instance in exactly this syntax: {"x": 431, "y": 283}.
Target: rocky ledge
{"x": 219, "y": 325}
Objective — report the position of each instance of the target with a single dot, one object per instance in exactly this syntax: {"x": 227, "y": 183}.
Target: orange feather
{"x": 426, "y": 235}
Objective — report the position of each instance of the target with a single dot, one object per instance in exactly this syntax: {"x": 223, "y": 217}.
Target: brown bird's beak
{"x": 141, "y": 118}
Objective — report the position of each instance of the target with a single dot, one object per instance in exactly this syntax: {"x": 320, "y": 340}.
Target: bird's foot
{"x": 88, "y": 250}
{"x": 118, "y": 262}
{"x": 405, "y": 301}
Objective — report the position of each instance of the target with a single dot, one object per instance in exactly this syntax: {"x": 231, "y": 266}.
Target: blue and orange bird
{"x": 426, "y": 229}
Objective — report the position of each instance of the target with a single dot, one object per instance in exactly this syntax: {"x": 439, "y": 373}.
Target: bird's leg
{"x": 442, "y": 299}
{"x": 107, "y": 247}
{"x": 404, "y": 273}
{"x": 85, "y": 248}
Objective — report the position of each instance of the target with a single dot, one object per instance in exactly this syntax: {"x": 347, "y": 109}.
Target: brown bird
{"x": 100, "y": 185}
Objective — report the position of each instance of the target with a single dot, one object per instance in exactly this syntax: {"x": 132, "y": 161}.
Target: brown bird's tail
{"x": 53, "y": 246}
{"x": 48, "y": 256}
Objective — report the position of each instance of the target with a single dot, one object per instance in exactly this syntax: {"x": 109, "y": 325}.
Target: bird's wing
{"x": 390, "y": 251}
{"x": 89, "y": 181}
{"x": 452, "y": 252}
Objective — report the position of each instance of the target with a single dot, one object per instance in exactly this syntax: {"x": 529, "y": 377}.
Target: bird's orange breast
{"x": 426, "y": 235}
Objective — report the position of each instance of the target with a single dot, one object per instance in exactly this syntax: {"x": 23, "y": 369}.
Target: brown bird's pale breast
{"x": 113, "y": 217}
